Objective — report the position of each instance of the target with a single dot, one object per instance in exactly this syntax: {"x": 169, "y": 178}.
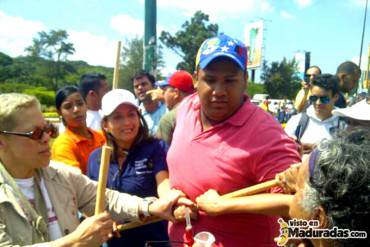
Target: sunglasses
{"x": 35, "y": 134}
{"x": 323, "y": 99}
{"x": 308, "y": 76}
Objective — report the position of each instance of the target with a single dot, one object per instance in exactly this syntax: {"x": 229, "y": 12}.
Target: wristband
{"x": 145, "y": 205}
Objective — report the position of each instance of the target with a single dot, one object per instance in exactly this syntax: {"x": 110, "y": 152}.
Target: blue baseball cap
{"x": 162, "y": 83}
{"x": 222, "y": 46}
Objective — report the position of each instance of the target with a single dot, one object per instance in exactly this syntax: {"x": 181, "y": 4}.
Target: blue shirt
{"x": 137, "y": 177}
{"x": 152, "y": 118}
{"x": 138, "y": 170}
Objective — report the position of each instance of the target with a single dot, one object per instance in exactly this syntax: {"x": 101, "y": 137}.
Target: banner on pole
{"x": 254, "y": 41}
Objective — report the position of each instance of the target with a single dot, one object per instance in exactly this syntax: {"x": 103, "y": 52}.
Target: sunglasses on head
{"x": 35, "y": 134}
{"x": 323, "y": 99}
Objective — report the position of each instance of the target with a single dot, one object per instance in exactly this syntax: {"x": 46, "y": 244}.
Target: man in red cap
{"x": 176, "y": 88}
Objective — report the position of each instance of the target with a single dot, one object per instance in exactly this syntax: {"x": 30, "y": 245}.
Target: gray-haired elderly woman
{"x": 333, "y": 187}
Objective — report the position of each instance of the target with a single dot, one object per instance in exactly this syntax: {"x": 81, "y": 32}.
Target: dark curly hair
{"x": 143, "y": 73}
{"x": 328, "y": 82}
{"x": 341, "y": 181}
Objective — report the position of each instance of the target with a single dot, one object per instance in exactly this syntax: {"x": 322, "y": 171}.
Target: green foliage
{"x": 51, "y": 46}
{"x": 54, "y": 49}
{"x": 281, "y": 78}
{"x": 45, "y": 68}
{"x": 48, "y": 114}
{"x": 32, "y": 71}
{"x": 187, "y": 41}
{"x": 5, "y": 60}
{"x": 46, "y": 97}
{"x": 254, "y": 88}
{"x": 13, "y": 87}
{"x": 132, "y": 62}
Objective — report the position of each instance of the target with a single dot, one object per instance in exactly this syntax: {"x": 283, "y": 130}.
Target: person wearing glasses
{"x": 317, "y": 123}
{"x": 301, "y": 100}
{"x": 39, "y": 199}
{"x": 138, "y": 163}
{"x": 74, "y": 146}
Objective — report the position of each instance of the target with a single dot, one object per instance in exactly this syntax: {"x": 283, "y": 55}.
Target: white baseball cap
{"x": 115, "y": 98}
{"x": 358, "y": 111}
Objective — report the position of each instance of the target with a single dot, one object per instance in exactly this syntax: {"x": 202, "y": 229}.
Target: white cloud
{"x": 287, "y": 15}
{"x": 360, "y": 3}
{"x": 303, "y": 3}
{"x": 93, "y": 49}
{"x": 364, "y": 61}
{"x": 127, "y": 25}
{"x": 16, "y": 33}
{"x": 218, "y": 8}
{"x": 266, "y": 7}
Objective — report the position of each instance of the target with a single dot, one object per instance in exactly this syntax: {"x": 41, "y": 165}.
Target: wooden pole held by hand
{"x": 102, "y": 182}
{"x": 252, "y": 190}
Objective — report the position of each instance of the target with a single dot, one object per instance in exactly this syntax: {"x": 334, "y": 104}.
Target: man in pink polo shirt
{"x": 224, "y": 142}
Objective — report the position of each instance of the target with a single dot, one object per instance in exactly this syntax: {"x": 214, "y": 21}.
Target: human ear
{"x": 195, "y": 78}
{"x": 321, "y": 216}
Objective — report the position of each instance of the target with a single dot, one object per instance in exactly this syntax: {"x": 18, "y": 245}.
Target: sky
{"x": 330, "y": 29}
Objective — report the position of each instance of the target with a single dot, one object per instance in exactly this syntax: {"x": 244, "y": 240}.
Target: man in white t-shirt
{"x": 93, "y": 86}
{"x": 317, "y": 123}
{"x": 39, "y": 200}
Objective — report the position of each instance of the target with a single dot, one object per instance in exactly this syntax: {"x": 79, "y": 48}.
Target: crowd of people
{"x": 178, "y": 145}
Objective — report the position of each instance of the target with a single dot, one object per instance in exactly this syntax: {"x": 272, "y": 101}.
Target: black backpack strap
{"x": 302, "y": 125}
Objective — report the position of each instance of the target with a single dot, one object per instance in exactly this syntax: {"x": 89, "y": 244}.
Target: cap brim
{"x": 203, "y": 64}
{"x": 359, "y": 111}
{"x": 107, "y": 112}
{"x": 162, "y": 84}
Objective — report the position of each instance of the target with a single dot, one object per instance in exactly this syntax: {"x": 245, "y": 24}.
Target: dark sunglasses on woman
{"x": 35, "y": 134}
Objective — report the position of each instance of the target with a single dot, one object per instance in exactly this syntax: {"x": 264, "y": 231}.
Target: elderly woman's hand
{"x": 181, "y": 205}
{"x": 210, "y": 202}
{"x": 288, "y": 179}
{"x": 180, "y": 211}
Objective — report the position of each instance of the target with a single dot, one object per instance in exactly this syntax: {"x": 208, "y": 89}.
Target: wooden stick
{"x": 252, "y": 190}
{"x": 116, "y": 68}
{"x": 102, "y": 183}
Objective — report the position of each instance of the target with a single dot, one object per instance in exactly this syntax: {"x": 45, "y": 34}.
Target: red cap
{"x": 182, "y": 80}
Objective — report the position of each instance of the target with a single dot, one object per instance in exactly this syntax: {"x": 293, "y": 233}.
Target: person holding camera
{"x": 301, "y": 100}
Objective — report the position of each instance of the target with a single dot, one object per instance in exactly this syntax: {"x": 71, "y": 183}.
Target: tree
{"x": 53, "y": 47}
{"x": 281, "y": 79}
{"x": 254, "y": 88}
{"x": 5, "y": 62}
{"x": 132, "y": 62}
{"x": 187, "y": 41}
